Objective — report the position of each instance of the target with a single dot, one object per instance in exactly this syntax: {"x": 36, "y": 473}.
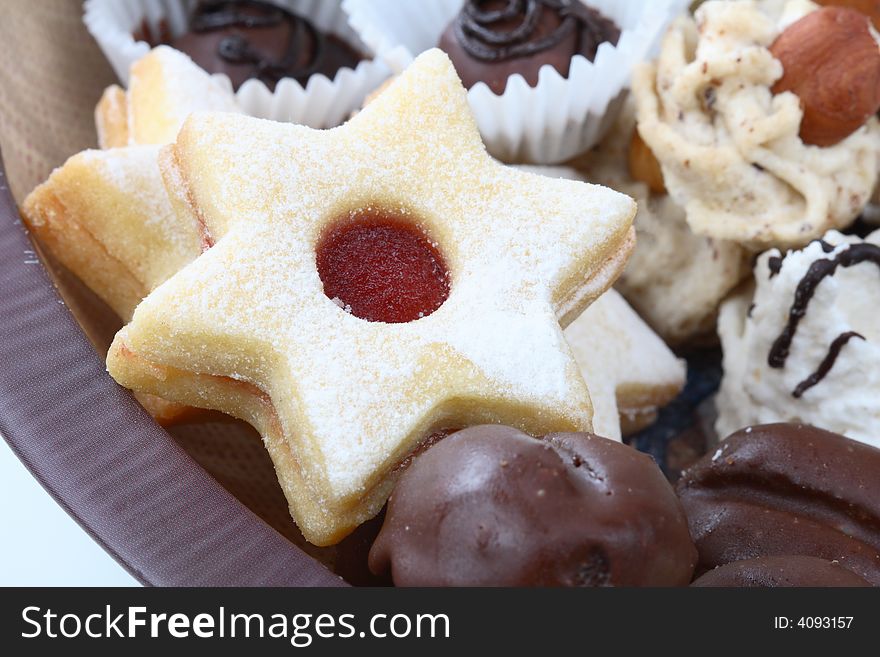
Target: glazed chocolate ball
{"x": 491, "y": 40}
{"x": 773, "y": 572}
{"x": 786, "y": 489}
{"x": 492, "y": 506}
{"x": 247, "y": 39}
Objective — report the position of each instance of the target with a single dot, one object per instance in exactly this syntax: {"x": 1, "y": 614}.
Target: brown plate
{"x": 106, "y": 462}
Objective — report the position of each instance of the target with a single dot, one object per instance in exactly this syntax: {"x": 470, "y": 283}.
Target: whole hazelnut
{"x": 831, "y": 61}
{"x": 643, "y": 165}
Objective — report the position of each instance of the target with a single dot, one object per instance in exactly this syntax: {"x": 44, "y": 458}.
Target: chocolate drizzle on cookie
{"x": 827, "y": 363}
{"x": 478, "y": 32}
{"x": 818, "y": 271}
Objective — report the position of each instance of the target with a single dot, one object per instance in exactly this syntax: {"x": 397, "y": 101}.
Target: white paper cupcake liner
{"x": 322, "y": 103}
{"x": 546, "y": 124}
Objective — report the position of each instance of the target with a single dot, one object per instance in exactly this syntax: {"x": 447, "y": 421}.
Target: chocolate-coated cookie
{"x": 786, "y": 489}
{"x": 492, "y": 506}
{"x": 774, "y": 572}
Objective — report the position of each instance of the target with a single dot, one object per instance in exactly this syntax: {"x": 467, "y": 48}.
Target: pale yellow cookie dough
{"x": 628, "y": 369}
{"x": 340, "y": 402}
{"x": 105, "y": 214}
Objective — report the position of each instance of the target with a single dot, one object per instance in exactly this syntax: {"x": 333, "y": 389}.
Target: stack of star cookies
{"x": 105, "y": 214}
{"x": 322, "y": 287}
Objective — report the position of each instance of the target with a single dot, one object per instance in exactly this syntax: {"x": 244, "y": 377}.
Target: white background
{"x": 40, "y": 545}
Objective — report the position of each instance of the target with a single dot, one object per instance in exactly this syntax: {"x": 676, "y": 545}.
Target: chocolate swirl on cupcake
{"x": 492, "y": 39}
{"x": 478, "y": 33}
{"x": 254, "y": 39}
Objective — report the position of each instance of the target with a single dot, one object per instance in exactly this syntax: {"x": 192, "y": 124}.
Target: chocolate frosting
{"x": 786, "y": 489}
{"x": 827, "y": 363}
{"x": 253, "y": 39}
{"x": 818, "y": 271}
{"x": 492, "y": 506}
{"x": 490, "y": 40}
{"x": 789, "y": 571}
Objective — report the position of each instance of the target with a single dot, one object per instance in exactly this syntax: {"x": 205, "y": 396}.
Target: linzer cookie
{"x": 105, "y": 214}
{"x": 784, "y": 490}
{"x": 803, "y": 346}
{"x": 164, "y": 87}
{"x": 491, "y": 506}
{"x": 628, "y": 369}
{"x": 264, "y": 326}
{"x": 545, "y": 77}
{"x": 761, "y": 115}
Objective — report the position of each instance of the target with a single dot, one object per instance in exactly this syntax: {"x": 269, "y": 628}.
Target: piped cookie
{"x": 762, "y": 117}
{"x": 471, "y": 269}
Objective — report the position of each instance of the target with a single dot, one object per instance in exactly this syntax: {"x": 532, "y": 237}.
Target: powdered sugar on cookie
{"x": 349, "y": 399}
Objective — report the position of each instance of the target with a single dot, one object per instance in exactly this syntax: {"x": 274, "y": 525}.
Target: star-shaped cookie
{"x": 340, "y": 401}
{"x": 105, "y": 214}
{"x": 629, "y": 370}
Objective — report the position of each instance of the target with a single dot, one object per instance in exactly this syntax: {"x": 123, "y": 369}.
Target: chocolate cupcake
{"x": 554, "y": 71}
{"x": 253, "y": 39}
{"x": 289, "y": 61}
{"x": 490, "y": 40}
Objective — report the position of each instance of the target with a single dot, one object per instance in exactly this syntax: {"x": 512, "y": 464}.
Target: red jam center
{"x": 382, "y": 269}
